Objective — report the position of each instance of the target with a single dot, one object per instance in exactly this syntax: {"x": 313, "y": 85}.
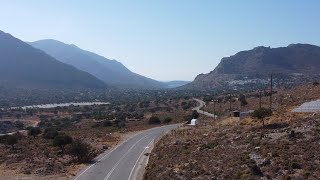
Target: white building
{"x": 194, "y": 122}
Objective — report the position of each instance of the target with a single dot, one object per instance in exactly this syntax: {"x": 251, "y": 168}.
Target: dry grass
{"x": 287, "y": 147}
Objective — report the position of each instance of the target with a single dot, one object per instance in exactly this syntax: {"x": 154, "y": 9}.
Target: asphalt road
{"x": 121, "y": 163}
{"x": 201, "y": 104}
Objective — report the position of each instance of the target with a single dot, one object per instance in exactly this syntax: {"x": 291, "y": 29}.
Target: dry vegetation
{"x": 38, "y": 158}
{"x": 229, "y": 148}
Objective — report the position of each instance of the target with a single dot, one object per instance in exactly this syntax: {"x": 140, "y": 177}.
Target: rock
{"x": 176, "y": 170}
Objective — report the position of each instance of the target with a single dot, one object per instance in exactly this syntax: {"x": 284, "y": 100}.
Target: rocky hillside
{"x": 111, "y": 72}
{"x": 228, "y": 148}
{"x": 293, "y": 61}
{"x": 22, "y": 65}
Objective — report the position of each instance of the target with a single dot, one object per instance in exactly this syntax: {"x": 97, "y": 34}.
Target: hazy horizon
{"x": 167, "y": 40}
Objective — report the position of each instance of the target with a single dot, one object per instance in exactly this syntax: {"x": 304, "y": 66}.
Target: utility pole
{"x": 230, "y": 103}
{"x": 260, "y": 99}
{"x": 214, "y": 109}
{"x": 203, "y": 111}
{"x": 271, "y": 92}
{"x": 175, "y": 111}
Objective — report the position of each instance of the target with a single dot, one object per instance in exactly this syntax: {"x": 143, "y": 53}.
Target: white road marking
{"x": 84, "y": 171}
{"x": 107, "y": 154}
{"x": 118, "y": 147}
{"x": 139, "y": 159}
{"x": 115, "y": 166}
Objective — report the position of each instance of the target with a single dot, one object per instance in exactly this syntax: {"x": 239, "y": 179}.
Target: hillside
{"x": 21, "y": 65}
{"x": 232, "y": 148}
{"x": 291, "y": 61}
{"x": 110, "y": 71}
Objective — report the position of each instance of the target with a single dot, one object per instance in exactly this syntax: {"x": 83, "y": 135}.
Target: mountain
{"x": 175, "y": 84}
{"x": 295, "y": 60}
{"x": 22, "y": 65}
{"x": 110, "y": 71}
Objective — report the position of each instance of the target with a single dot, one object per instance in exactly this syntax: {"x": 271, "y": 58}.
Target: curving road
{"x": 121, "y": 163}
{"x": 201, "y": 104}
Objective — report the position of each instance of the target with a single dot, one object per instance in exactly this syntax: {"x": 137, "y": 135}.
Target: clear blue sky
{"x": 167, "y": 39}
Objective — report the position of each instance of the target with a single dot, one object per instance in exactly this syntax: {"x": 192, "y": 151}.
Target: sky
{"x": 168, "y": 39}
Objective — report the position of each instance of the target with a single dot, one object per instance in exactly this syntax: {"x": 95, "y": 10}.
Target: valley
{"x": 159, "y": 90}
{"x": 97, "y": 127}
{"x": 231, "y": 148}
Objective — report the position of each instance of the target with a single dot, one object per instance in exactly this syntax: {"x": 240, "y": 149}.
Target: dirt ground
{"x": 15, "y": 171}
{"x": 287, "y": 147}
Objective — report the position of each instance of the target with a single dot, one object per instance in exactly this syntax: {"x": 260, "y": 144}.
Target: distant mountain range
{"x": 295, "y": 60}
{"x": 22, "y": 65}
{"x": 175, "y": 84}
{"x": 111, "y": 72}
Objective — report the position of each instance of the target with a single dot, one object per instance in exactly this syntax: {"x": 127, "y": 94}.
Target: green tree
{"x": 167, "y": 120}
{"x": 50, "y": 133}
{"x": 10, "y": 140}
{"x": 195, "y": 114}
{"x": 243, "y": 100}
{"x": 34, "y": 131}
{"x": 154, "y": 120}
{"x": 82, "y": 151}
{"x": 261, "y": 113}
{"x": 62, "y": 140}
{"x": 107, "y": 123}
{"x": 19, "y": 124}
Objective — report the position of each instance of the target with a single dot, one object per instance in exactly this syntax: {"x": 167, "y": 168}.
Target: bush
{"x": 255, "y": 169}
{"x": 167, "y": 120}
{"x": 154, "y": 120}
{"x": 29, "y": 127}
{"x": 34, "y": 131}
{"x": 19, "y": 125}
{"x": 50, "y": 133}
{"x": 82, "y": 151}
{"x": 261, "y": 113}
{"x": 195, "y": 114}
{"x": 242, "y": 100}
{"x": 120, "y": 124}
{"x": 61, "y": 140}
{"x": 10, "y": 140}
{"x": 107, "y": 123}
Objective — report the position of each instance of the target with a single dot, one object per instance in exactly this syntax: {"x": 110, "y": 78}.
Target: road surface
{"x": 121, "y": 163}
{"x": 201, "y": 104}
{"x": 15, "y": 132}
